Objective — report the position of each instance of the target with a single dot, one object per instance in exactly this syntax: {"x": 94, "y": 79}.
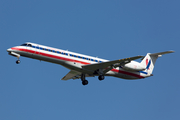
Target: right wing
{"x": 106, "y": 66}
{"x": 90, "y": 69}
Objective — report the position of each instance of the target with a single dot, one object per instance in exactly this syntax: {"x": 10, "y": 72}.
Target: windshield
{"x": 24, "y": 44}
{"x": 29, "y": 45}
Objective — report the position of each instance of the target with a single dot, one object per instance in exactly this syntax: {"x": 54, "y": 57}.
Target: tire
{"x": 84, "y": 82}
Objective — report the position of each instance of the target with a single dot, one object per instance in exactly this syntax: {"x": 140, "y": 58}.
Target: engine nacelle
{"x": 133, "y": 66}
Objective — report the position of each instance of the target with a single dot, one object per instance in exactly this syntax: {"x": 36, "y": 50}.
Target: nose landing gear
{"x": 18, "y": 61}
{"x": 15, "y": 55}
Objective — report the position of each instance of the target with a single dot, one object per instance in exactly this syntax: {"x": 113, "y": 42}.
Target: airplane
{"x": 82, "y": 66}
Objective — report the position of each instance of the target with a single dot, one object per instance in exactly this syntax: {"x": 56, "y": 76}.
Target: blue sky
{"x": 111, "y": 30}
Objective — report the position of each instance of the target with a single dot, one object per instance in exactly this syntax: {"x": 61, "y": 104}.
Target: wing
{"x": 106, "y": 66}
{"x": 74, "y": 75}
{"x": 92, "y": 68}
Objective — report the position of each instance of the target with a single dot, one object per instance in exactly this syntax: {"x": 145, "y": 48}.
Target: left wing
{"x": 106, "y": 66}
{"x": 74, "y": 75}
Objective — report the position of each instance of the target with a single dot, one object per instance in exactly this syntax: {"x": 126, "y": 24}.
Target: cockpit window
{"x": 29, "y": 45}
{"x": 24, "y": 44}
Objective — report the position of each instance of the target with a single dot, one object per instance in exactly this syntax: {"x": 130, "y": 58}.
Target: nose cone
{"x": 9, "y": 50}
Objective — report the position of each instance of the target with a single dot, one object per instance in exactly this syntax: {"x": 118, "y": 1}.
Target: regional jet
{"x": 82, "y": 66}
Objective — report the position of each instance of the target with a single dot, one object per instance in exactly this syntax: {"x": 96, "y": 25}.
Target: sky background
{"x": 109, "y": 29}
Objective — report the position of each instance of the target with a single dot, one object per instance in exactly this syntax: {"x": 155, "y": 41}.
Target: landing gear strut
{"x": 84, "y": 81}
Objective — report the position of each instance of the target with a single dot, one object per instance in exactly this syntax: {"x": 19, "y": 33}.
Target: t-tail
{"x": 149, "y": 61}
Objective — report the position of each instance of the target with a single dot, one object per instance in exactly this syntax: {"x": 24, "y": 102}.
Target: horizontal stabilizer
{"x": 161, "y": 53}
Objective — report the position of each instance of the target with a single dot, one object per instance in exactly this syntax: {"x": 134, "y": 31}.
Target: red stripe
{"x": 71, "y": 60}
{"x": 127, "y": 73}
{"x": 49, "y": 55}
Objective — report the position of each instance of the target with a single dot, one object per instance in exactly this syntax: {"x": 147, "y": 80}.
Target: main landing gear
{"x": 85, "y": 82}
{"x": 101, "y": 77}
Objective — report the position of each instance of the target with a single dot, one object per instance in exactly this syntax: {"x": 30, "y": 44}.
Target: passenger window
{"x": 33, "y": 46}
{"x": 58, "y": 52}
{"x": 53, "y": 51}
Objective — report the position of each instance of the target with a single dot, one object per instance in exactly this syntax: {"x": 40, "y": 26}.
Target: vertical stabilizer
{"x": 150, "y": 59}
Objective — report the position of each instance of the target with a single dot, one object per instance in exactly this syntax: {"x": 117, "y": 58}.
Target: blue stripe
{"x": 143, "y": 72}
{"x": 148, "y": 64}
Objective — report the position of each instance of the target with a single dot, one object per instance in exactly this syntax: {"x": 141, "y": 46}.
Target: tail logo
{"x": 148, "y": 64}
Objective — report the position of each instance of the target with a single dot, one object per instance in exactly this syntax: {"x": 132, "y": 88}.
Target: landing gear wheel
{"x": 18, "y": 61}
{"x": 84, "y": 82}
{"x": 101, "y": 77}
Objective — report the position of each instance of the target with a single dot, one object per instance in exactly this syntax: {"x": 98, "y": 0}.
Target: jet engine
{"x": 133, "y": 66}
